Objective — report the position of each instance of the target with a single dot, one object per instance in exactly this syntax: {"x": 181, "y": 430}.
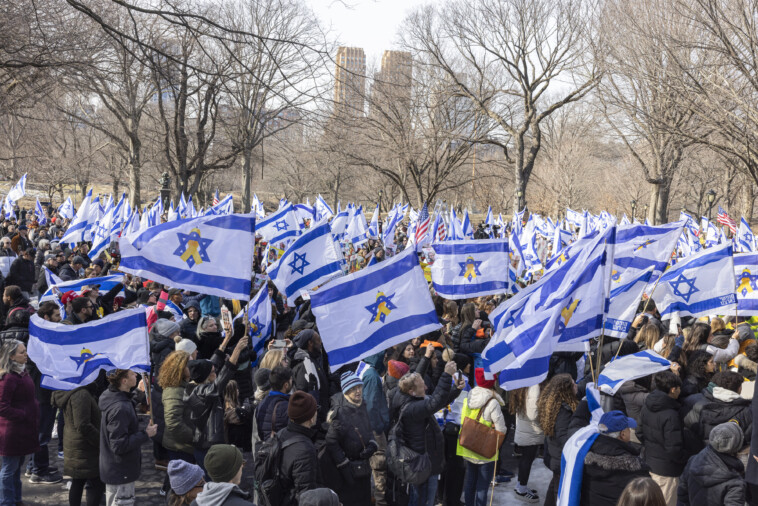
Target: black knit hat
{"x": 199, "y": 370}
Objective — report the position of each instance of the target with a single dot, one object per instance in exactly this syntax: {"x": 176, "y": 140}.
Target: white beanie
{"x": 187, "y": 346}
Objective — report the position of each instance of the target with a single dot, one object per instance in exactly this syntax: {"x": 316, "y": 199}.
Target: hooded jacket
{"x": 633, "y": 394}
{"x": 609, "y": 466}
{"x": 299, "y": 464}
{"x": 81, "y": 439}
{"x": 661, "y": 434}
{"x": 121, "y": 439}
{"x": 308, "y": 375}
{"x": 222, "y": 494}
{"x": 710, "y": 478}
{"x": 726, "y": 405}
{"x": 528, "y": 431}
{"x": 373, "y": 394}
{"x": 491, "y": 403}
{"x": 187, "y": 327}
{"x": 177, "y": 435}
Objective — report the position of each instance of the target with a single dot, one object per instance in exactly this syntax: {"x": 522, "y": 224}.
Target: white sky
{"x": 370, "y": 24}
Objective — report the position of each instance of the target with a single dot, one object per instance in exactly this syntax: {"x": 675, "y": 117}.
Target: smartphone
{"x": 279, "y": 344}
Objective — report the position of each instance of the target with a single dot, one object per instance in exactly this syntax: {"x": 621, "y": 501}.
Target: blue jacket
{"x": 373, "y": 394}
{"x": 210, "y": 305}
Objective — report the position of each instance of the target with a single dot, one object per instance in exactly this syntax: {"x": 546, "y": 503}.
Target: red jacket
{"x": 19, "y": 415}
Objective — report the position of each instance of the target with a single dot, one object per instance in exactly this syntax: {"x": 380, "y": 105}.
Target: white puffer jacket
{"x": 477, "y": 397}
{"x": 528, "y": 431}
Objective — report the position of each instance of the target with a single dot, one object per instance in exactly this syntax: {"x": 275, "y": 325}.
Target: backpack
{"x": 268, "y": 470}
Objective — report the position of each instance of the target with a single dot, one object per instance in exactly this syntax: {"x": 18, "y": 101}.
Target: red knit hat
{"x": 397, "y": 369}
{"x": 484, "y": 379}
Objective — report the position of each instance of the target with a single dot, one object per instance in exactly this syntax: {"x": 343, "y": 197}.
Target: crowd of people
{"x": 317, "y": 436}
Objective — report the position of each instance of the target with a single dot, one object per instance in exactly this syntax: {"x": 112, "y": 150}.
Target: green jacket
{"x": 178, "y": 433}
{"x": 81, "y": 438}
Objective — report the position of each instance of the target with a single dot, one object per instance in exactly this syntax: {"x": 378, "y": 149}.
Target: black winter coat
{"x": 160, "y": 348}
{"x": 121, "y": 439}
{"x": 67, "y": 273}
{"x": 81, "y": 439}
{"x": 710, "y": 478}
{"x": 205, "y": 405}
{"x": 421, "y": 432}
{"x": 609, "y": 466}
{"x": 556, "y": 443}
{"x": 299, "y": 465}
{"x": 662, "y": 435}
{"x": 21, "y": 274}
{"x": 751, "y": 474}
{"x": 692, "y": 384}
{"x": 264, "y": 414}
{"x": 317, "y": 387}
{"x": 718, "y": 411}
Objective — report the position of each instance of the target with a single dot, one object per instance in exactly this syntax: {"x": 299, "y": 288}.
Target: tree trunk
{"x": 747, "y": 201}
{"x": 133, "y": 167}
{"x": 247, "y": 175}
{"x": 519, "y": 202}
{"x": 662, "y": 209}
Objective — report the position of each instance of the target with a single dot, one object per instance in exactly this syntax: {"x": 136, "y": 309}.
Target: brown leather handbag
{"x": 478, "y": 437}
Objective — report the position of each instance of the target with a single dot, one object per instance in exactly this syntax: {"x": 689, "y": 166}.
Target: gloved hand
{"x": 370, "y": 449}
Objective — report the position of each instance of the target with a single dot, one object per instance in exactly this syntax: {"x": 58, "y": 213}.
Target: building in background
{"x": 350, "y": 81}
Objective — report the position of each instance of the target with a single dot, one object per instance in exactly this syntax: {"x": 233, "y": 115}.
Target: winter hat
{"x": 68, "y": 297}
{"x": 484, "y": 379}
{"x": 302, "y": 406}
{"x": 349, "y": 380}
{"x": 726, "y": 438}
{"x": 303, "y": 338}
{"x": 185, "y": 345}
{"x": 199, "y": 370}
{"x": 222, "y": 462}
{"x": 461, "y": 361}
{"x": 183, "y": 476}
{"x": 99, "y": 262}
{"x": 262, "y": 379}
{"x": 397, "y": 369}
{"x": 78, "y": 260}
{"x": 165, "y": 328}
{"x": 319, "y": 497}
{"x": 301, "y": 324}
{"x": 615, "y": 421}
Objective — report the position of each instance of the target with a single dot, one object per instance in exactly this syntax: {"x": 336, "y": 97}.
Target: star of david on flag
{"x": 745, "y": 265}
{"x": 683, "y": 287}
{"x": 470, "y": 268}
{"x": 193, "y": 249}
{"x": 463, "y": 269}
{"x": 381, "y": 308}
{"x": 299, "y": 263}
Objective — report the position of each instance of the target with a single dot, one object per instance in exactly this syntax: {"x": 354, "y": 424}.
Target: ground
{"x": 151, "y": 481}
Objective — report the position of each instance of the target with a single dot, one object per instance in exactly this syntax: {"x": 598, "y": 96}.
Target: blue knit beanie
{"x": 183, "y": 476}
{"x": 349, "y": 380}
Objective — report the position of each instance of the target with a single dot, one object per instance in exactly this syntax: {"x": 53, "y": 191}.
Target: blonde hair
{"x": 271, "y": 359}
{"x": 717, "y": 324}
{"x": 7, "y": 350}
{"x": 405, "y": 384}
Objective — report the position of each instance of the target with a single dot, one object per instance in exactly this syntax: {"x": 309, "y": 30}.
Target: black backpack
{"x": 268, "y": 469}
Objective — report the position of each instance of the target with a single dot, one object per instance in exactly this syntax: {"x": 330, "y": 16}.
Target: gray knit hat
{"x": 726, "y": 438}
{"x": 183, "y": 476}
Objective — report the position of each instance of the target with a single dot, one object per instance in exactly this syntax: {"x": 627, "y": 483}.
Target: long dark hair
{"x": 468, "y": 314}
{"x": 642, "y": 491}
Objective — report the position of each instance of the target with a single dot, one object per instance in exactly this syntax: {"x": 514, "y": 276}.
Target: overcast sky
{"x": 370, "y": 24}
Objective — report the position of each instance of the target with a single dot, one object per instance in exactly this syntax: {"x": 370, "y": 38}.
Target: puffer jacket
{"x": 160, "y": 348}
{"x": 299, "y": 466}
{"x": 693, "y": 384}
{"x": 187, "y": 327}
{"x": 81, "y": 439}
{"x": 710, "y": 478}
{"x": 609, "y": 466}
{"x": 421, "y": 432}
{"x": 556, "y": 442}
{"x": 121, "y": 439}
{"x": 528, "y": 431}
{"x": 309, "y": 376}
{"x": 492, "y": 403}
{"x": 726, "y": 405}
{"x": 268, "y": 422}
{"x": 205, "y": 404}
{"x": 661, "y": 433}
{"x": 633, "y": 394}
{"x": 177, "y": 435}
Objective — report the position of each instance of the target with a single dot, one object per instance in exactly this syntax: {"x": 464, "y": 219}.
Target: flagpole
{"x": 147, "y": 379}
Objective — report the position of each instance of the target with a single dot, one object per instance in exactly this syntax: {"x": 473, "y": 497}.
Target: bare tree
{"x": 506, "y": 56}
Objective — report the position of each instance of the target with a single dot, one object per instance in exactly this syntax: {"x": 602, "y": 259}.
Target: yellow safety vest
{"x": 472, "y": 413}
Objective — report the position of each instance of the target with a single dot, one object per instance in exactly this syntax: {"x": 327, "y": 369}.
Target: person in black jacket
{"x": 121, "y": 439}
{"x": 725, "y": 405}
{"x": 700, "y": 369}
{"x": 70, "y": 271}
{"x": 299, "y": 466}
{"x": 421, "y": 432}
{"x": 555, "y": 407}
{"x": 51, "y": 262}
{"x": 661, "y": 434}
{"x": 612, "y": 461}
{"x": 21, "y": 272}
{"x": 715, "y": 475}
{"x": 162, "y": 343}
{"x": 271, "y": 414}
{"x": 308, "y": 369}
{"x": 188, "y": 325}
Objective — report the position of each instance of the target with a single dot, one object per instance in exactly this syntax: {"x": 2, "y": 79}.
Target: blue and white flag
{"x": 311, "y": 260}
{"x": 282, "y": 225}
{"x": 210, "y": 254}
{"x": 558, "y": 312}
{"x": 57, "y": 285}
{"x": 322, "y": 209}
{"x": 630, "y": 367}
{"x": 18, "y": 191}
{"x": 375, "y": 308}
{"x": 745, "y": 239}
{"x": 574, "y": 218}
{"x": 701, "y": 284}
{"x": 257, "y": 208}
{"x": 575, "y": 450}
{"x": 69, "y": 356}
{"x": 174, "y": 310}
{"x": 357, "y": 231}
{"x": 77, "y": 227}
{"x": 225, "y": 206}
{"x": 260, "y": 317}
{"x": 746, "y": 272}
{"x": 466, "y": 228}
{"x": 66, "y": 210}
{"x": 103, "y": 233}
{"x": 373, "y": 228}
{"x": 40, "y": 214}
{"x": 340, "y": 221}
{"x": 465, "y": 269}
{"x": 456, "y": 229}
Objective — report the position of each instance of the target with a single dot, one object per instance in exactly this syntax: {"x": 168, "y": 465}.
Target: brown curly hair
{"x": 560, "y": 390}
{"x": 172, "y": 370}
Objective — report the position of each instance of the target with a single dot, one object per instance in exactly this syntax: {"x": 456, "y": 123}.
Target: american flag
{"x": 725, "y": 220}
{"x": 215, "y": 198}
{"x": 441, "y": 231}
{"x": 423, "y": 224}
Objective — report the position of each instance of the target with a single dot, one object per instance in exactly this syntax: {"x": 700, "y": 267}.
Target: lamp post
{"x": 519, "y": 195}
{"x": 165, "y": 188}
{"x": 711, "y": 196}
{"x": 634, "y": 208}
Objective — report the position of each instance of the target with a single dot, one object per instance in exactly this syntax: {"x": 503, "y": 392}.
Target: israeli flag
{"x": 373, "y": 228}
{"x": 357, "y": 230}
{"x": 77, "y": 227}
{"x": 226, "y": 206}
{"x": 558, "y": 312}
{"x": 181, "y": 208}
{"x": 260, "y": 317}
{"x": 456, "y": 229}
{"x": 745, "y": 238}
{"x": 257, "y": 208}
{"x": 174, "y": 310}
{"x": 40, "y": 214}
{"x": 18, "y": 191}
{"x": 340, "y": 221}
{"x": 699, "y": 285}
{"x": 311, "y": 260}
{"x": 210, "y": 254}
{"x": 322, "y": 209}
{"x": 103, "y": 234}
{"x": 466, "y": 228}
{"x": 373, "y": 309}
{"x": 57, "y": 286}
{"x": 69, "y": 356}
{"x": 746, "y": 272}
{"x": 66, "y": 210}
{"x": 465, "y": 269}
{"x": 628, "y": 368}
{"x": 574, "y": 218}
{"x": 279, "y": 226}
{"x": 575, "y": 450}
